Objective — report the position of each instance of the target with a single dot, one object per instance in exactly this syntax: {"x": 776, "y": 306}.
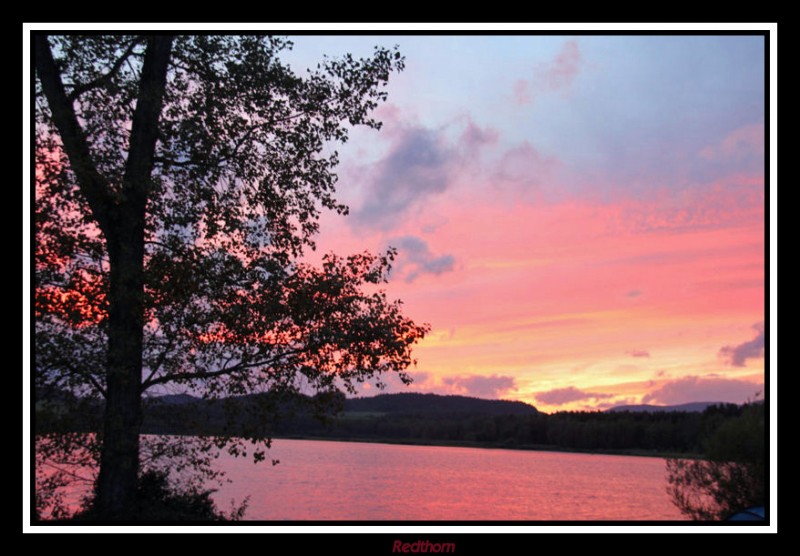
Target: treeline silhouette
{"x": 674, "y": 432}
{"x": 426, "y": 419}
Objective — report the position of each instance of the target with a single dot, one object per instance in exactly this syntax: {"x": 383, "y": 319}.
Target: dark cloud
{"x": 561, "y": 396}
{"x": 418, "y": 166}
{"x": 415, "y": 258}
{"x": 633, "y": 294}
{"x": 480, "y": 386}
{"x": 739, "y": 354}
{"x": 421, "y": 163}
{"x": 697, "y": 389}
{"x": 639, "y": 353}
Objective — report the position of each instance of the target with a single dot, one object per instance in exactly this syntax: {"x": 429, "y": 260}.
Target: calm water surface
{"x": 319, "y": 480}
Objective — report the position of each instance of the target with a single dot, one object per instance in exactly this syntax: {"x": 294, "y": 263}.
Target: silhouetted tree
{"x": 179, "y": 181}
{"x": 733, "y": 475}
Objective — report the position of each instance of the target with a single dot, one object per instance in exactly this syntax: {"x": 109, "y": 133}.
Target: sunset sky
{"x": 581, "y": 219}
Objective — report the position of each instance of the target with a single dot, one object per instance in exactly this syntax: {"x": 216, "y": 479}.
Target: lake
{"x": 324, "y": 480}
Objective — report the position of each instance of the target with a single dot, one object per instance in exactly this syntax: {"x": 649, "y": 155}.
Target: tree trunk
{"x": 119, "y": 462}
{"x": 121, "y": 216}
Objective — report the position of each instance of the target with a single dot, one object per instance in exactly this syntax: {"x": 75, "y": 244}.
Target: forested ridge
{"x": 420, "y": 419}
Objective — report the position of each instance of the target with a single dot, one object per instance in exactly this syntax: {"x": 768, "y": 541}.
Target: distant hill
{"x": 401, "y": 403}
{"x": 176, "y": 399}
{"x": 413, "y": 403}
{"x": 692, "y": 406}
{"x": 268, "y": 413}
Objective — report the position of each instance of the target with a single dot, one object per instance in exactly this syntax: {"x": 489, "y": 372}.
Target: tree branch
{"x": 72, "y": 474}
{"x": 238, "y": 144}
{"x": 104, "y": 79}
{"x": 164, "y": 379}
{"x": 91, "y": 183}
{"x": 144, "y": 125}
{"x": 198, "y": 375}
{"x": 162, "y": 357}
{"x": 72, "y": 369}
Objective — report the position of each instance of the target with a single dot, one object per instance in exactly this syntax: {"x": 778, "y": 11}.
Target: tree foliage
{"x": 731, "y": 478}
{"x": 179, "y": 183}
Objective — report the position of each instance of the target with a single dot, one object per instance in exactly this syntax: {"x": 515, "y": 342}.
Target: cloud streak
{"x": 561, "y": 396}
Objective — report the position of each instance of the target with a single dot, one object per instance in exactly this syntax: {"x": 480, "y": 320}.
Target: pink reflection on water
{"x": 319, "y": 480}
{"x": 353, "y": 481}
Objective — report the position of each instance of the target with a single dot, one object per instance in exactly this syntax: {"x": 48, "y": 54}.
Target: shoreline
{"x": 519, "y": 447}
{"x": 637, "y": 452}
{"x": 454, "y": 444}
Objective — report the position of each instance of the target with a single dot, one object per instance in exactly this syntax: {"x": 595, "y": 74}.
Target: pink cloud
{"x": 522, "y": 92}
{"x": 556, "y": 75}
{"x": 742, "y": 142}
{"x": 699, "y": 389}
{"x": 618, "y": 402}
{"x": 525, "y": 166}
{"x": 561, "y": 396}
{"x": 421, "y": 381}
{"x": 474, "y": 137}
{"x": 732, "y": 200}
{"x": 561, "y": 72}
{"x": 480, "y": 386}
